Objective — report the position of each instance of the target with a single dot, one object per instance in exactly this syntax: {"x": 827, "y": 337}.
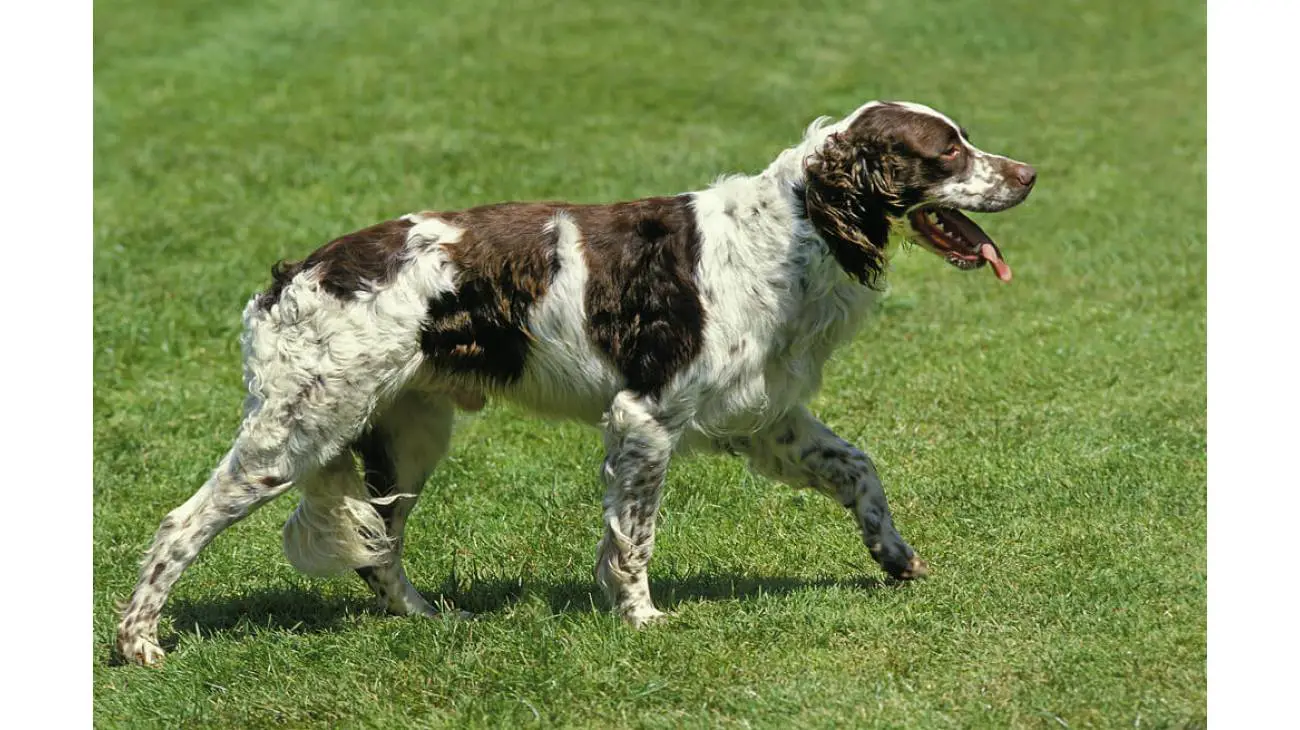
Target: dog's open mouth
{"x": 956, "y": 238}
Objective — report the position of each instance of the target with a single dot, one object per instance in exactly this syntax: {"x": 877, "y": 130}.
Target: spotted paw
{"x": 417, "y": 606}
{"x": 639, "y": 618}
{"x": 140, "y": 650}
{"x": 400, "y": 598}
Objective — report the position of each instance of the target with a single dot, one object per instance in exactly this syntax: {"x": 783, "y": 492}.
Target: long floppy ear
{"x": 848, "y": 194}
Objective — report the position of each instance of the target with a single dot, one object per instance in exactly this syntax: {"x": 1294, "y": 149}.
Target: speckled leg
{"x": 240, "y": 484}
{"x": 637, "y": 450}
{"x": 802, "y": 452}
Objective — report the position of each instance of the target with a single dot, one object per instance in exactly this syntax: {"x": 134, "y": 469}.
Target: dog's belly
{"x": 564, "y": 380}
{"x": 549, "y": 395}
{"x": 720, "y": 394}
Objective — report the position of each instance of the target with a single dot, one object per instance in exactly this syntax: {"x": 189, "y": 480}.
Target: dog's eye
{"x": 951, "y": 152}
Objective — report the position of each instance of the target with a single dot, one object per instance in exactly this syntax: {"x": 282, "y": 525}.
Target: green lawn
{"x": 1043, "y": 443}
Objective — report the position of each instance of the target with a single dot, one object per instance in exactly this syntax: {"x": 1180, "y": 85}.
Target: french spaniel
{"x": 699, "y": 321}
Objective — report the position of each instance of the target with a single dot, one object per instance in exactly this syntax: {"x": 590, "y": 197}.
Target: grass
{"x": 1043, "y": 443}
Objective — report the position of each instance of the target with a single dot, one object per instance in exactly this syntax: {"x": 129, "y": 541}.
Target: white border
{"x": 1254, "y": 244}
{"x": 47, "y": 201}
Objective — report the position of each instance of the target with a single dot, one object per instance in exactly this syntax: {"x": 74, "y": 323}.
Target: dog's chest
{"x": 823, "y": 315}
{"x": 771, "y": 353}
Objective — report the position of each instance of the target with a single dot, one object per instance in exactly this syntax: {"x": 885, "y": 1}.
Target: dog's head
{"x": 894, "y": 161}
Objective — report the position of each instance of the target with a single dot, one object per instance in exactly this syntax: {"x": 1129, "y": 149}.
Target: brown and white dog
{"x": 698, "y": 321}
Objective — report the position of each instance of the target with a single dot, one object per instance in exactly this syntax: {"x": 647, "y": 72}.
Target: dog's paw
{"x": 899, "y": 560}
{"x": 141, "y": 650}
{"x": 411, "y": 602}
{"x": 639, "y": 618}
{"x": 916, "y": 568}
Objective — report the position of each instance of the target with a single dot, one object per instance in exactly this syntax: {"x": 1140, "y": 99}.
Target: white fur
{"x": 335, "y": 528}
{"x": 983, "y": 188}
{"x": 322, "y": 394}
{"x": 771, "y": 291}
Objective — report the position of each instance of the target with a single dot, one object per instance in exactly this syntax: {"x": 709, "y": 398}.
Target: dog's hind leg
{"x": 638, "y": 446}
{"x": 300, "y": 420}
{"x": 282, "y": 443}
{"x": 248, "y": 477}
{"x": 803, "y": 452}
{"x": 399, "y": 453}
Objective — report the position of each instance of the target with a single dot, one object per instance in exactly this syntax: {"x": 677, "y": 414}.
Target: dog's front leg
{"x": 803, "y": 452}
{"x": 638, "y": 447}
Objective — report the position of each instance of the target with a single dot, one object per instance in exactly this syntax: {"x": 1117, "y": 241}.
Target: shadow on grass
{"x": 486, "y": 597}
{"x": 296, "y": 610}
{"x": 301, "y": 610}
{"x": 284, "y": 609}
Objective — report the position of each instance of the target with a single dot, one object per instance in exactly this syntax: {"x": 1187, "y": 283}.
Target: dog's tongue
{"x": 991, "y": 255}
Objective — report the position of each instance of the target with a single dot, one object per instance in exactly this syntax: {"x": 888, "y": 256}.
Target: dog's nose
{"x": 1026, "y": 175}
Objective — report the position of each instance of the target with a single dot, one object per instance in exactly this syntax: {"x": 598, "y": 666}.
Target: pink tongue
{"x": 990, "y": 254}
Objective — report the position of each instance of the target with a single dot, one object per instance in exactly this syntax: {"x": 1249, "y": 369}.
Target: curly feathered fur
{"x": 849, "y": 197}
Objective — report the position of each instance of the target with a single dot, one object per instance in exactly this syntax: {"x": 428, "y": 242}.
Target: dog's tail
{"x": 335, "y": 527}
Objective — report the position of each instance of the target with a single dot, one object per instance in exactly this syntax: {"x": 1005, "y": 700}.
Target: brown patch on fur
{"x": 157, "y": 570}
{"x": 883, "y": 164}
{"x": 642, "y": 301}
{"x": 848, "y": 210}
{"x": 356, "y": 262}
{"x": 379, "y": 468}
{"x": 505, "y": 260}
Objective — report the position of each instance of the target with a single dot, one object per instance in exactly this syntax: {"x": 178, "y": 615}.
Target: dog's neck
{"x": 826, "y": 301}
{"x": 787, "y": 177}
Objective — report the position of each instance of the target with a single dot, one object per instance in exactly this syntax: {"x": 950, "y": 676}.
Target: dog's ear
{"x": 848, "y": 194}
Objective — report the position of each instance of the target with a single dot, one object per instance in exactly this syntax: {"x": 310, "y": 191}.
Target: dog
{"x": 699, "y": 321}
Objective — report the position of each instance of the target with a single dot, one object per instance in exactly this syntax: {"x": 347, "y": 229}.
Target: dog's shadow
{"x": 571, "y": 597}
{"x": 301, "y": 610}
{"x": 282, "y": 609}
